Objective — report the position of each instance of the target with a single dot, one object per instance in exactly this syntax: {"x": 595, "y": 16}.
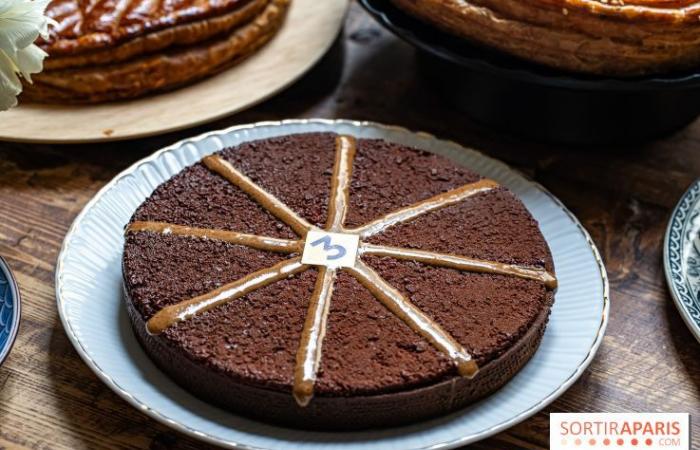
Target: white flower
{"x": 21, "y": 23}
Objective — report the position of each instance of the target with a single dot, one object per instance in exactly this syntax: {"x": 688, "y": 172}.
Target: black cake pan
{"x": 526, "y": 99}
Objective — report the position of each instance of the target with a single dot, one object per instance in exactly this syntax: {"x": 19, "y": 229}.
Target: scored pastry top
{"x": 95, "y": 24}
{"x": 673, "y": 10}
{"x": 446, "y": 271}
{"x": 678, "y": 9}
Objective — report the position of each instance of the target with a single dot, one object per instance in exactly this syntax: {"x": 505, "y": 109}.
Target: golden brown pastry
{"x": 96, "y": 58}
{"x": 608, "y": 37}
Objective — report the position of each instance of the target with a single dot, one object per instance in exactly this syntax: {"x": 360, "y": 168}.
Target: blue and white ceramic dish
{"x": 9, "y": 310}
{"x": 88, "y": 291}
{"x": 682, "y": 257}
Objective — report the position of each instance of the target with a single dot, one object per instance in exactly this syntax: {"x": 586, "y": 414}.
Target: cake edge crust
{"x": 337, "y": 413}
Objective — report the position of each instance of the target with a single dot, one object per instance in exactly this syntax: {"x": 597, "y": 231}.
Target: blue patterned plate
{"x": 9, "y": 310}
{"x": 682, "y": 257}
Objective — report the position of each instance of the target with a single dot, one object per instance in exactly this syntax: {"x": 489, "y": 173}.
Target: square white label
{"x": 330, "y": 249}
{"x": 619, "y": 431}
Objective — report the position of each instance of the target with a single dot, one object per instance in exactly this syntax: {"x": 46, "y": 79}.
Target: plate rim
{"x": 689, "y": 199}
{"x": 158, "y": 416}
{"x": 17, "y": 309}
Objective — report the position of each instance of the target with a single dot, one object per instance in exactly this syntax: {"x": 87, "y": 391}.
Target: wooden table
{"x": 649, "y": 361}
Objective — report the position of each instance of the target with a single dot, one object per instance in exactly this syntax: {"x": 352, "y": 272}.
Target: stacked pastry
{"x": 610, "y": 37}
{"x": 115, "y": 49}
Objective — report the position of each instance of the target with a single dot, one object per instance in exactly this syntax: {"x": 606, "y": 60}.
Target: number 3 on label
{"x": 333, "y": 251}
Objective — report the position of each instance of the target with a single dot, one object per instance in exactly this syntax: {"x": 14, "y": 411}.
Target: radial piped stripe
{"x": 268, "y": 201}
{"x": 425, "y": 206}
{"x": 415, "y": 318}
{"x": 170, "y": 315}
{"x": 461, "y": 263}
{"x": 345, "y": 148}
{"x": 309, "y": 353}
{"x": 248, "y": 240}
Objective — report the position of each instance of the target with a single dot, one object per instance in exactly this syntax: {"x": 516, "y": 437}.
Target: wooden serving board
{"x": 310, "y": 28}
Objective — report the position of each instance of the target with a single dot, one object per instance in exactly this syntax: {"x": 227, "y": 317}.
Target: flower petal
{"x": 21, "y": 23}
{"x": 30, "y": 60}
{"x": 10, "y": 84}
{"x": 17, "y": 30}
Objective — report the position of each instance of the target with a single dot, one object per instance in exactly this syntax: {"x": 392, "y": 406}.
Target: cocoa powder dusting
{"x": 367, "y": 350}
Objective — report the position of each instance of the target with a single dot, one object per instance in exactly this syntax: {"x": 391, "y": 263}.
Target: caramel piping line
{"x": 310, "y": 346}
{"x": 178, "y": 312}
{"x": 411, "y": 212}
{"x": 265, "y": 199}
{"x": 414, "y": 318}
{"x": 248, "y": 240}
{"x": 461, "y": 263}
{"x": 340, "y": 183}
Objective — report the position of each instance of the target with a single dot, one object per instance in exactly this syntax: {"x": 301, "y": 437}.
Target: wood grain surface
{"x": 648, "y": 361}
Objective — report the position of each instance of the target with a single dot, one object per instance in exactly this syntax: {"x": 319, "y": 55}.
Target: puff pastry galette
{"x": 108, "y": 50}
{"x": 609, "y": 37}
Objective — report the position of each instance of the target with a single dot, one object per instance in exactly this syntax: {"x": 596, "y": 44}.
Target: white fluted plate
{"x": 88, "y": 292}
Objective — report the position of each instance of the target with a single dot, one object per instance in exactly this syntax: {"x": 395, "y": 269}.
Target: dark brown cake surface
{"x": 367, "y": 350}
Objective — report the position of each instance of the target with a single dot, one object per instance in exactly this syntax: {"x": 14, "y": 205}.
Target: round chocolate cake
{"x": 327, "y": 282}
